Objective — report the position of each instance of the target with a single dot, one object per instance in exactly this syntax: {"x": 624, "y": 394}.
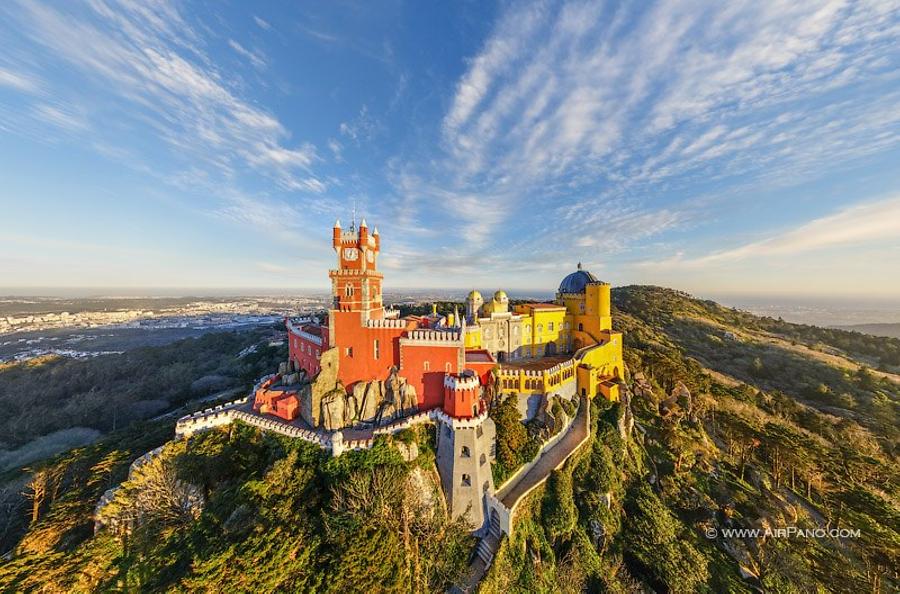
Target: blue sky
{"x": 739, "y": 147}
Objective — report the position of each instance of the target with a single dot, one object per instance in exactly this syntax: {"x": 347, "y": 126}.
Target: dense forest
{"x": 47, "y": 394}
{"x": 740, "y": 422}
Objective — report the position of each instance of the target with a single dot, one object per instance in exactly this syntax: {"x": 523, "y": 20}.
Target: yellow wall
{"x": 592, "y": 311}
{"x": 473, "y": 337}
{"x": 536, "y": 328}
{"x": 607, "y": 357}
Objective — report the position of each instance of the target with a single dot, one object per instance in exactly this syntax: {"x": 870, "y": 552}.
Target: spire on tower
{"x": 337, "y": 224}
{"x": 363, "y": 224}
{"x": 375, "y": 232}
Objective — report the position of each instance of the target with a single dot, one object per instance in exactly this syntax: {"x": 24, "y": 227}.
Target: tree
{"x": 511, "y": 433}
{"x": 656, "y": 538}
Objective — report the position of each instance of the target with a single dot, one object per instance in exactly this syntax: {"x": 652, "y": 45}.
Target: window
{"x": 550, "y": 326}
{"x": 466, "y": 480}
{"x": 527, "y": 328}
{"x": 487, "y": 332}
{"x": 426, "y": 366}
{"x": 465, "y": 452}
{"x": 348, "y": 351}
{"x": 581, "y": 327}
{"x": 348, "y": 291}
{"x": 447, "y": 367}
{"x": 485, "y": 486}
{"x": 483, "y": 460}
{"x": 377, "y": 350}
{"x": 540, "y": 328}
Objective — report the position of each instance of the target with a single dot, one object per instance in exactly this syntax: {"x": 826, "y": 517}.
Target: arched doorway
{"x": 551, "y": 348}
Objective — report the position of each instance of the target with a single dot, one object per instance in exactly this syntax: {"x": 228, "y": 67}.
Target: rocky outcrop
{"x": 312, "y": 394}
{"x": 375, "y": 402}
{"x": 625, "y": 422}
{"x": 335, "y": 413}
{"x": 678, "y": 404}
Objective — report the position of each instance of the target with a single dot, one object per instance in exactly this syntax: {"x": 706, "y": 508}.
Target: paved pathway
{"x": 552, "y": 458}
{"x": 550, "y": 461}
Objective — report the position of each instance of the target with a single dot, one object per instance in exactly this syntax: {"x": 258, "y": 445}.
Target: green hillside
{"x": 739, "y": 422}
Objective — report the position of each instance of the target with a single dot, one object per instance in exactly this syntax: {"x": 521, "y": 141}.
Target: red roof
{"x": 479, "y": 356}
{"x": 544, "y": 305}
{"x": 314, "y": 329}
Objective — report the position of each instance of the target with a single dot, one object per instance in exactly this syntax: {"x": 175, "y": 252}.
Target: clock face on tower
{"x": 350, "y": 254}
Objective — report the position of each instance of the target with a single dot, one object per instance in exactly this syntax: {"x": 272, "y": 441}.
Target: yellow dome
{"x": 474, "y": 295}
{"x": 500, "y": 296}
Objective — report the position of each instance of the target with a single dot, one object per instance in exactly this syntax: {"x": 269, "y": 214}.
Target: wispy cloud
{"x": 597, "y": 104}
{"x": 18, "y": 81}
{"x": 861, "y": 224}
{"x": 262, "y": 23}
{"x": 151, "y": 58}
{"x": 361, "y": 128}
{"x": 255, "y": 57}
{"x": 60, "y": 117}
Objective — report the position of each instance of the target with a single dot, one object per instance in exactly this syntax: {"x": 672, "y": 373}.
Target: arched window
{"x": 581, "y": 327}
{"x": 426, "y": 366}
{"x": 465, "y": 452}
{"x": 466, "y": 480}
{"x": 540, "y": 328}
{"x": 550, "y": 326}
{"x": 349, "y": 291}
{"x": 447, "y": 367}
{"x": 482, "y": 460}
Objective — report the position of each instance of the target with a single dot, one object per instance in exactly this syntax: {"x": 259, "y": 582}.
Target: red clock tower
{"x": 356, "y": 283}
{"x": 368, "y": 344}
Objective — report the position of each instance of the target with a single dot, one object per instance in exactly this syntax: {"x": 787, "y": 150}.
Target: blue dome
{"x": 575, "y": 282}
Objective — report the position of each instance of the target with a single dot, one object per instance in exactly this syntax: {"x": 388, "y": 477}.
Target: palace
{"x": 366, "y": 367}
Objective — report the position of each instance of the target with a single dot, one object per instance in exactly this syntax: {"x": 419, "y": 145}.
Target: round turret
{"x": 473, "y": 305}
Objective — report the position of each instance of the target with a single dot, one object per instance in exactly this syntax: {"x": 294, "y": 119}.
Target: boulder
{"x": 333, "y": 410}
{"x": 368, "y": 397}
{"x": 408, "y": 452}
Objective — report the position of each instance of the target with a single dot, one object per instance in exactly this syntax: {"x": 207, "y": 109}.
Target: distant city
{"x": 80, "y": 324}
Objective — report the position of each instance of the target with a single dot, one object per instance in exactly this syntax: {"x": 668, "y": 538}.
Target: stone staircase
{"x": 488, "y": 545}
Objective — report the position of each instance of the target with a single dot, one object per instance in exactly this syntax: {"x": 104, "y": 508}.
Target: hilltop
{"x": 885, "y": 329}
{"x": 731, "y": 421}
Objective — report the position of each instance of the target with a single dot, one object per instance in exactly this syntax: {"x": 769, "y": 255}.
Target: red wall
{"x": 362, "y": 365}
{"x": 429, "y": 384}
{"x": 307, "y": 360}
{"x": 460, "y": 403}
